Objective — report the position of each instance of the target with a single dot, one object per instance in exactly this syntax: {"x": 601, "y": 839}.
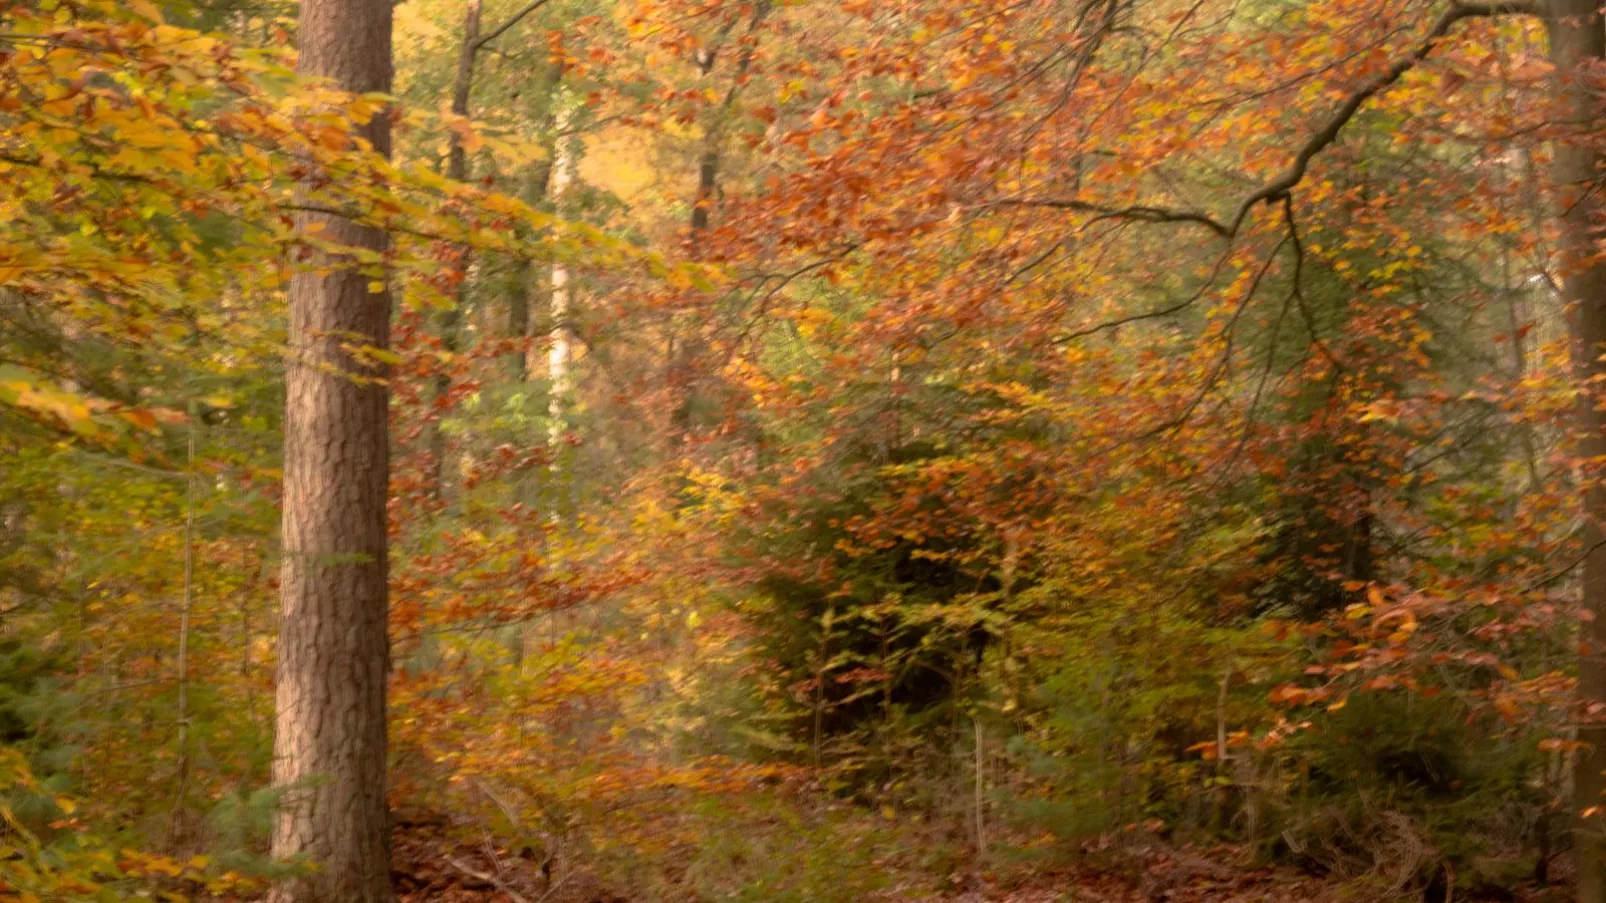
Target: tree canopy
{"x": 822, "y": 450}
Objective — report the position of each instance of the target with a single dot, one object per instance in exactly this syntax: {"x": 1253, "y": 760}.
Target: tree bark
{"x": 1577, "y": 43}
{"x": 329, "y": 744}
{"x": 565, "y": 163}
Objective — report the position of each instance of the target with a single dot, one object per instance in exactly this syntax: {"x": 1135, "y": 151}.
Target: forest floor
{"x": 432, "y": 869}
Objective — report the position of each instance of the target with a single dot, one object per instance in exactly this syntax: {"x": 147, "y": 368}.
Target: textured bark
{"x": 329, "y": 746}
{"x": 1577, "y": 43}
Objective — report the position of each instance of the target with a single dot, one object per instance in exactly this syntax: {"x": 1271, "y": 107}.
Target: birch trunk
{"x": 565, "y": 163}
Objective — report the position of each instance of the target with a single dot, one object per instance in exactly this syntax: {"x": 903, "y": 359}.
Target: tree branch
{"x": 1329, "y": 132}
{"x": 1278, "y": 188}
{"x": 1142, "y": 212}
{"x": 512, "y": 20}
{"x": 487, "y": 878}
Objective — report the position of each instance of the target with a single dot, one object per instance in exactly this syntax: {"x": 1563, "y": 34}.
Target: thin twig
{"x": 488, "y": 878}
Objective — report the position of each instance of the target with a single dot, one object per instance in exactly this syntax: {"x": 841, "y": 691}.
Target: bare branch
{"x": 1329, "y": 132}
{"x": 1142, "y": 212}
{"x": 1155, "y": 314}
{"x": 1278, "y": 188}
{"x": 512, "y": 20}
{"x": 487, "y": 878}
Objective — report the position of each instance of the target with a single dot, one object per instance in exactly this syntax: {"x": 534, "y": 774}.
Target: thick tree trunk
{"x": 329, "y": 747}
{"x": 1577, "y": 43}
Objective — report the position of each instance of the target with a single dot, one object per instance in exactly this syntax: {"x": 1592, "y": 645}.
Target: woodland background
{"x": 841, "y": 450}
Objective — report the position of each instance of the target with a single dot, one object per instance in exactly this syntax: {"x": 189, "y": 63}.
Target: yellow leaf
{"x": 145, "y": 9}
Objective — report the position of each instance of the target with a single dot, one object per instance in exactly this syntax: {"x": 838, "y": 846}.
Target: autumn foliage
{"x": 840, "y": 450}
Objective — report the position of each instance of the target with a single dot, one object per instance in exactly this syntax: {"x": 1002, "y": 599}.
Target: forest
{"x": 802, "y": 451}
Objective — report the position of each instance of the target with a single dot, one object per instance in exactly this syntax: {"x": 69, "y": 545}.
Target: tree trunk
{"x": 1578, "y": 42}
{"x": 449, "y": 322}
{"x": 525, "y": 285}
{"x": 329, "y": 745}
{"x": 522, "y": 324}
{"x": 684, "y": 354}
{"x": 565, "y": 163}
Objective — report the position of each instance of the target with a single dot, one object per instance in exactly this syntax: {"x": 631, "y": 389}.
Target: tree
{"x": 1041, "y": 437}
{"x": 847, "y": 187}
{"x": 329, "y": 749}
{"x": 449, "y": 320}
{"x": 1578, "y": 43}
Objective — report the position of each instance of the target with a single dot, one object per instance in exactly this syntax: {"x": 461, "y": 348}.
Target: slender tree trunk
{"x": 329, "y": 746}
{"x": 1578, "y": 42}
{"x": 517, "y": 324}
{"x": 462, "y": 87}
{"x": 449, "y": 322}
{"x": 175, "y": 825}
{"x": 820, "y": 669}
{"x": 529, "y": 290}
{"x": 524, "y": 284}
{"x": 556, "y": 180}
{"x": 981, "y": 790}
{"x": 565, "y": 162}
{"x": 683, "y": 352}
{"x": 534, "y": 288}
{"x": 714, "y": 136}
